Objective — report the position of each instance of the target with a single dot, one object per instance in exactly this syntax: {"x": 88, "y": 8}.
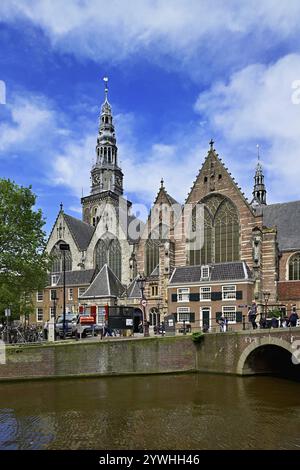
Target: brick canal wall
{"x": 108, "y": 357}
{"x": 217, "y": 353}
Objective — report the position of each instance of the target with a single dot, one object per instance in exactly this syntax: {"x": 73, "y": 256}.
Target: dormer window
{"x": 204, "y": 273}
{"x": 54, "y": 279}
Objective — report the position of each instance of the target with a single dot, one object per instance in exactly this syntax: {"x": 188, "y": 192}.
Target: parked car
{"x": 85, "y": 326}
{"x": 70, "y": 325}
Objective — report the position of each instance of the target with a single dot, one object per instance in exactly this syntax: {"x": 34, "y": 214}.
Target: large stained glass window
{"x": 221, "y": 232}
{"x": 108, "y": 251}
{"x": 158, "y": 235}
{"x": 294, "y": 267}
{"x": 57, "y": 259}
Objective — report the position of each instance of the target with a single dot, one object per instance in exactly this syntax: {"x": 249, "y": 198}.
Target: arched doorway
{"x": 137, "y": 319}
{"x": 273, "y": 358}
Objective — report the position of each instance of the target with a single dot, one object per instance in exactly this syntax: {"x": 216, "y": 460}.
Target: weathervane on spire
{"x": 211, "y": 143}
{"x": 105, "y": 79}
{"x": 258, "y": 156}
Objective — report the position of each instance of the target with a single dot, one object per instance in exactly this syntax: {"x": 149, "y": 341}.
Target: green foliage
{"x": 198, "y": 336}
{"x": 276, "y": 313}
{"x": 23, "y": 260}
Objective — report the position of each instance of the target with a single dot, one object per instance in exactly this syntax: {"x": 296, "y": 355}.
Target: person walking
{"x": 252, "y": 314}
{"x": 222, "y": 323}
{"x": 46, "y": 328}
{"x": 293, "y": 318}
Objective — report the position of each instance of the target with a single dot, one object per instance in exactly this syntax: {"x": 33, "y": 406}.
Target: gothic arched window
{"x": 294, "y": 267}
{"x": 151, "y": 255}
{"x": 159, "y": 234}
{"x": 108, "y": 251}
{"x": 221, "y": 232}
{"x": 57, "y": 259}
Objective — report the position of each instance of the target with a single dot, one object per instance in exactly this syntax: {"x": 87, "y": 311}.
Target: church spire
{"x": 106, "y": 175}
{"x": 259, "y": 190}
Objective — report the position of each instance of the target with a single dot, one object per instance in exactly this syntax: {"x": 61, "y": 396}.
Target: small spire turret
{"x": 259, "y": 190}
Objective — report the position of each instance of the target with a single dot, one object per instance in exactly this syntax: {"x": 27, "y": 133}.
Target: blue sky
{"x": 180, "y": 72}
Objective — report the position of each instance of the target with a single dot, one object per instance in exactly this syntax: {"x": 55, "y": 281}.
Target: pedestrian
{"x": 293, "y": 318}
{"x": 252, "y": 314}
{"x": 222, "y": 323}
{"x": 46, "y": 328}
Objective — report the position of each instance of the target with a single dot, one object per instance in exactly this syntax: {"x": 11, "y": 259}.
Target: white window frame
{"x": 204, "y": 269}
{"x": 37, "y": 296}
{"x": 101, "y": 316}
{"x": 51, "y": 312}
{"x": 54, "y": 279}
{"x": 233, "y": 311}
{"x": 183, "y": 311}
{"x": 70, "y": 293}
{"x": 83, "y": 289}
{"x": 205, "y": 299}
{"x": 183, "y": 296}
{"x": 50, "y": 296}
{"x": 37, "y": 314}
{"x": 230, "y": 294}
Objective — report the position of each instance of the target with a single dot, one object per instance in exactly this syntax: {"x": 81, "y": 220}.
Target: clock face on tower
{"x": 96, "y": 179}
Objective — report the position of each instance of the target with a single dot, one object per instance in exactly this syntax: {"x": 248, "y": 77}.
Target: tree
{"x": 23, "y": 259}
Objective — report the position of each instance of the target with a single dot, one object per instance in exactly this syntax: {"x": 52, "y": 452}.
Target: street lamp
{"x": 141, "y": 280}
{"x": 64, "y": 247}
{"x": 266, "y": 299}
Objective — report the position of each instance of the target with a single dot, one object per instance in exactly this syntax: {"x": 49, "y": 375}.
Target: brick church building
{"x": 248, "y": 248}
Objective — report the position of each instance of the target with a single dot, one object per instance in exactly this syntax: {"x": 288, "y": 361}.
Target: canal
{"x": 191, "y": 411}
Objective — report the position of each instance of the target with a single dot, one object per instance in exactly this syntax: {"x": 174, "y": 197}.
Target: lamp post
{"x": 141, "y": 280}
{"x": 64, "y": 247}
{"x": 266, "y": 299}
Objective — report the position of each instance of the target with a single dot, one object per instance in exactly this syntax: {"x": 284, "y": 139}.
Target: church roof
{"x": 231, "y": 271}
{"x": 286, "y": 217}
{"x": 105, "y": 284}
{"x": 81, "y": 231}
{"x": 155, "y": 272}
{"x": 76, "y": 278}
{"x": 134, "y": 291}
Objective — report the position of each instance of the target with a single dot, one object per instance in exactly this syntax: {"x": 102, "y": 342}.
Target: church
{"x": 248, "y": 249}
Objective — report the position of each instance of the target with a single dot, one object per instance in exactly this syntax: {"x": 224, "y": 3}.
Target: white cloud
{"x": 254, "y": 106}
{"x": 29, "y": 117}
{"x": 116, "y": 29}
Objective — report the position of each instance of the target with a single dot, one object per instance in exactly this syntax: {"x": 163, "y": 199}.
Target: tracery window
{"x": 294, "y": 267}
{"x": 57, "y": 259}
{"x": 152, "y": 244}
{"x": 108, "y": 251}
{"x": 221, "y": 232}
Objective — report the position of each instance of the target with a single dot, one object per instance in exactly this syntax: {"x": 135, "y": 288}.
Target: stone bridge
{"x": 275, "y": 351}
{"x": 238, "y": 353}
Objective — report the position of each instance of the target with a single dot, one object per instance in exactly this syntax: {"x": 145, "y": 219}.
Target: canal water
{"x": 194, "y": 411}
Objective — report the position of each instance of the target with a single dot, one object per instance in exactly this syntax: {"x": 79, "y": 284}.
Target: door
{"x": 205, "y": 318}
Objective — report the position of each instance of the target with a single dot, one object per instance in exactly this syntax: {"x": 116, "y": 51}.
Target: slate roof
{"x": 286, "y": 217}
{"x": 74, "y": 278}
{"x": 81, "y": 231}
{"x": 134, "y": 291}
{"x": 105, "y": 284}
{"x": 155, "y": 272}
{"x": 237, "y": 270}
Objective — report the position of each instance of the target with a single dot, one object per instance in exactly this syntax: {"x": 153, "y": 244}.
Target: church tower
{"x": 106, "y": 175}
{"x": 259, "y": 190}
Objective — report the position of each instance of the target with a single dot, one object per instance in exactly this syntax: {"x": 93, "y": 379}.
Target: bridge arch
{"x": 268, "y": 356}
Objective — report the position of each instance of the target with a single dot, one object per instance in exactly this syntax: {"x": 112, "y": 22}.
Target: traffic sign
{"x": 7, "y": 312}
{"x": 144, "y": 302}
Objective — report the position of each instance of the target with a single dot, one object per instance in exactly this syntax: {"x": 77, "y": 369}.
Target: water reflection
{"x": 195, "y": 411}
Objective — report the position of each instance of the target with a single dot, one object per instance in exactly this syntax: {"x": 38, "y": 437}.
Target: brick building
{"x": 256, "y": 245}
